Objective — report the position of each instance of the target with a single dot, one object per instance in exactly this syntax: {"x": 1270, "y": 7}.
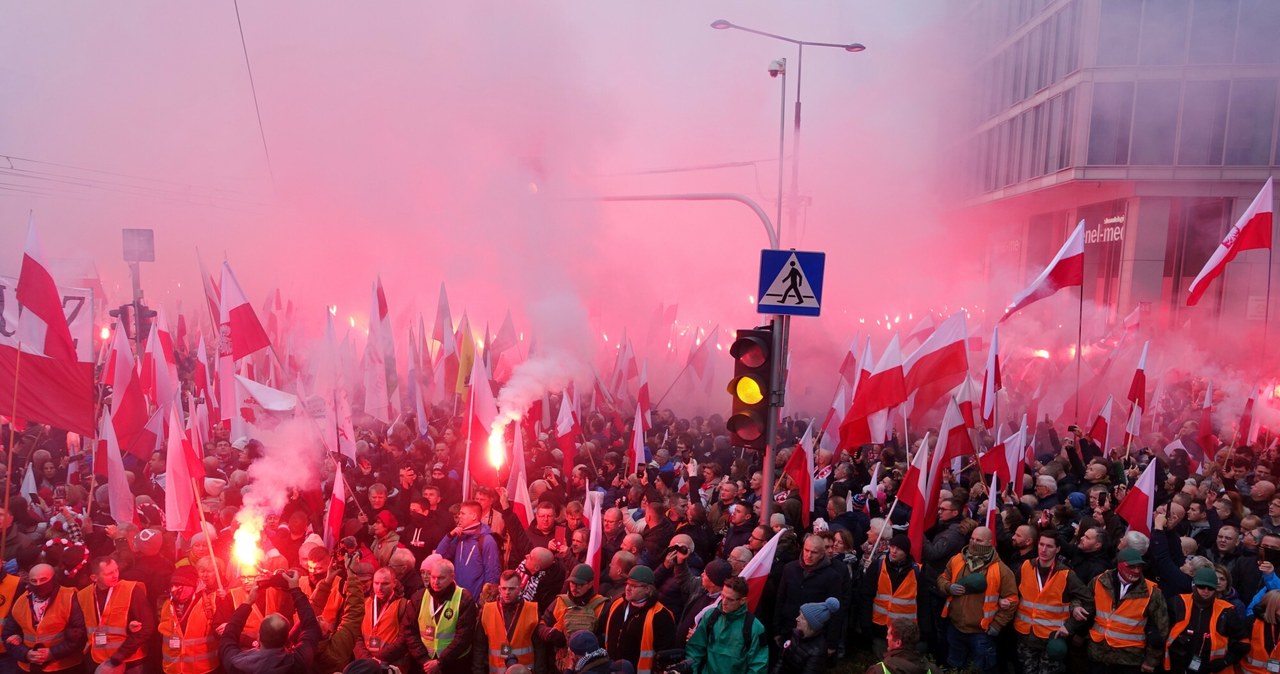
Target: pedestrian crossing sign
{"x": 790, "y": 282}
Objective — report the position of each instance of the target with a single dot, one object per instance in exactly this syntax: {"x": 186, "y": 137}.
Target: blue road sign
{"x": 790, "y": 282}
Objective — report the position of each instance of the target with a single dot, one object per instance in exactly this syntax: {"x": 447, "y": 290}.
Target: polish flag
{"x": 120, "y": 497}
{"x": 967, "y": 399}
{"x": 595, "y": 537}
{"x": 1139, "y": 504}
{"x": 239, "y": 323}
{"x": 941, "y": 362}
{"x": 918, "y": 493}
{"x": 992, "y": 506}
{"x": 886, "y": 385}
{"x": 506, "y": 338}
{"x": 1205, "y": 438}
{"x": 482, "y": 461}
{"x": 159, "y": 366}
{"x": 835, "y": 417}
{"x": 1066, "y": 269}
{"x": 180, "y": 513}
{"x": 377, "y": 394}
{"x": 337, "y": 509}
{"x": 635, "y": 452}
{"x": 518, "y": 480}
{"x": 42, "y": 324}
{"x": 212, "y": 295}
{"x": 643, "y": 397}
{"x": 756, "y": 572}
{"x": 200, "y": 373}
{"x": 1006, "y": 458}
{"x": 1137, "y": 398}
{"x": 954, "y": 440}
{"x": 855, "y": 430}
{"x": 699, "y": 357}
{"x": 849, "y": 366}
{"x": 1244, "y": 430}
{"x": 128, "y": 406}
{"x": 991, "y": 383}
{"x": 346, "y": 430}
{"x": 1252, "y": 230}
{"x": 567, "y": 431}
{"x": 258, "y": 406}
{"x": 447, "y": 358}
{"x": 800, "y": 468}
{"x": 922, "y": 330}
{"x": 1100, "y": 431}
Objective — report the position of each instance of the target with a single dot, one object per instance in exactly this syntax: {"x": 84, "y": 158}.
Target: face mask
{"x": 980, "y": 549}
{"x": 44, "y": 591}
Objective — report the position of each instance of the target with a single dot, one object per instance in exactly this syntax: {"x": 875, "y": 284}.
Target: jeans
{"x": 963, "y": 649}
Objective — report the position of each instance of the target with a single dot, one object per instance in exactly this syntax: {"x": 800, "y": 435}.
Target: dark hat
{"x": 185, "y": 575}
{"x": 1056, "y": 649}
{"x": 1133, "y": 558}
{"x": 901, "y": 542}
{"x": 818, "y": 613}
{"x": 582, "y": 574}
{"x": 642, "y": 574}
{"x": 388, "y": 520}
{"x": 718, "y": 571}
{"x": 439, "y": 467}
{"x": 1206, "y": 577}
{"x": 583, "y": 642}
{"x": 148, "y": 542}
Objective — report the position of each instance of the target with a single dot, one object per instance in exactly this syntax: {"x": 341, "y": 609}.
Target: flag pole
{"x": 217, "y": 573}
{"x": 866, "y": 563}
{"x": 673, "y": 385}
{"x": 1266, "y": 314}
{"x": 906, "y": 438}
{"x": 1079, "y": 348}
{"x": 13, "y": 444}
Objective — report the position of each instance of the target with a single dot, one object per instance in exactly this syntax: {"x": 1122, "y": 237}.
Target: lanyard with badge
{"x": 1273, "y": 660}
{"x": 100, "y": 632}
{"x": 175, "y": 639}
{"x": 375, "y": 643}
{"x": 510, "y": 624}
{"x": 430, "y": 632}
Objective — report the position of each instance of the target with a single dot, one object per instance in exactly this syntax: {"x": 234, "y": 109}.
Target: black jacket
{"x": 800, "y": 586}
{"x": 299, "y": 657}
{"x": 803, "y": 656}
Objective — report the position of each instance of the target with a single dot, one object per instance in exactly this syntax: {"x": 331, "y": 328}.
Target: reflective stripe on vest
{"x": 1122, "y": 626}
{"x": 1041, "y": 610}
{"x": 644, "y": 664}
{"x": 8, "y": 594}
{"x": 115, "y": 619}
{"x": 991, "y": 595}
{"x": 1217, "y": 642}
{"x": 388, "y": 627}
{"x": 443, "y": 630}
{"x": 52, "y": 628}
{"x": 197, "y": 651}
{"x": 1255, "y": 662}
{"x": 890, "y": 603}
{"x": 520, "y": 646}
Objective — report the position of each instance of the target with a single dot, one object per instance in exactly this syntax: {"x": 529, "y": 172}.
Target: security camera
{"x": 778, "y": 67}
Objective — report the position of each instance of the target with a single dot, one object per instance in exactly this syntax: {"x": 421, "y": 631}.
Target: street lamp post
{"x": 852, "y": 47}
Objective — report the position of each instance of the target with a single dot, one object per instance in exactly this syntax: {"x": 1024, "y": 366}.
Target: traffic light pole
{"x": 777, "y": 398}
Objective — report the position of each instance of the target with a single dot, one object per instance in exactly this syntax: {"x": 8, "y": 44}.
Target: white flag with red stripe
{"x": 756, "y": 572}
{"x": 1139, "y": 504}
{"x": 991, "y": 383}
{"x": 120, "y": 498}
{"x": 129, "y": 412}
{"x": 993, "y": 507}
{"x": 635, "y": 452}
{"x": 1066, "y": 269}
{"x": 180, "y": 512}
{"x": 941, "y": 362}
{"x": 518, "y": 480}
{"x": 242, "y": 333}
{"x": 1251, "y": 231}
{"x": 595, "y": 537}
{"x": 642, "y": 396}
{"x": 336, "y": 511}
{"x": 1100, "y": 431}
{"x": 1137, "y": 398}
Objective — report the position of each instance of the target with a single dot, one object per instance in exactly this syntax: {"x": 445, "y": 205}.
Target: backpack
{"x": 747, "y": 623}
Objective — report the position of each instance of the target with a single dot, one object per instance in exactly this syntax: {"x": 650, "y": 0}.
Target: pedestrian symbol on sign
{"x": 789, "y": 283}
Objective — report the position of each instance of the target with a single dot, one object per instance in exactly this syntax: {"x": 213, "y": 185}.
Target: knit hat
{"x": 642, "y": 574}
{"x": 1206, "y": 577}
{"x": 582, "y": 574}
{"x": 388, "y": 520}
{"x": 1056, "y": 649}
{"x": 147, "y": 542}
{"x": 860, "y": 502}
{"x": 817, "y": 614}
{"x": 583, "y": 642}
{"x": 901, "y": 542}
{"x": 1133, "y": 557}
{"x": 718, "y": 571}
{"x": 1077, "y": 500}
{"x": 185, "y": 575}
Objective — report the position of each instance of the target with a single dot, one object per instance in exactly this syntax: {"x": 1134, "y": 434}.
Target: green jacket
{"x": 720, "y": 650}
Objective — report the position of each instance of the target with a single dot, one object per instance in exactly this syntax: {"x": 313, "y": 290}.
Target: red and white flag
{"x": 567, "y": 430}
{"x": 1066, "y": 269}
{"x": 381, "y": 389}
{"x": 1100, "y": 431}
{"x": 212, "y": 295}
{"x": 1137, "y": 398}
{"x": 159, "y": 365}
{"x": 42, "y": 324}
{"x": 595, "y": 536}
{"x": 518, "y": 480}
{"x": 643, "y": 397}
{"x": 991, "y": 382}
{"x": 1251, "y": 231}
{"x": 886, "y": 385}
{"x": 1244, "y": 431}
{"x": 239, "y": 324}
{"x": 954, "y": 441}
{"x": 1139, "y": 504}
{"x": 129, "y": 411}
{"x": 180, "y": 511}
{"x": 119, "y": 496}
{"x": 756, "y": 572}
{"x": 919, "y": 493}
{"x": 849, "y": 366}
{"x": 1204, "y": 437}
{"x": 855, "y": 431}
{"x": 993, "y": 507}
{"x": 1006, "y": 458}
{"x": 940, "y": 364}
{"x": 800, "y": 468}
{"x": 922, "y": 330}
{"x": 336, "y": 511}
{"x": 835, "y": 416}
{"x": 258, "y": 406}
{"x": 635, "y": 451}
{"x": 448, "y": 360}
{"x": 482, "y": 461}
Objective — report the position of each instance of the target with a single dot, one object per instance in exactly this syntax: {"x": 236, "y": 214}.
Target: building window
{"x": 1164, "y": 32}
{"x": 1195, "y": 230}
{"x": 1155, "y": 122}
{"x": 1253, "y": 104}
{"x": 1118, "y": 32}
{"x": 1259, "y": 23}
{"x": 1213, "y": 30}
{"x": 1109, "y": 123}
{"x": 1204, "y": 123}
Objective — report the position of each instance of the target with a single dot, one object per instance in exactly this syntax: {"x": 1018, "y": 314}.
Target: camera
{"x": 276, "y": 580}
{"x": 1268, "y": 555}
{"x": 678, "y": 548}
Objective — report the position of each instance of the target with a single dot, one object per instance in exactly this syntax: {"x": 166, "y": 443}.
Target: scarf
{"x": 582, "y": 661}
{"x": 977, "y": 556}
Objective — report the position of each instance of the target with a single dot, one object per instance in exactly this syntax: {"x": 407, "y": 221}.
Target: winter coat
{"x": 802, "y": 586}
{"x": 718, "y": 648}
{"x": 803, "y": 655}
{"x": 475, "y": 558}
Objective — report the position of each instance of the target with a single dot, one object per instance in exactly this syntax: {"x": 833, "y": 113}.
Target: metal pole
{"x": 782, "y": 140}
{"x": 135, "y": 273}
{"x": 793, "y": 210}
{"x": 770, "y": 230}
{"x": 777, "y": 392}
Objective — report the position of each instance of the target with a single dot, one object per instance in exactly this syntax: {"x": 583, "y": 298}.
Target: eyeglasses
{"x": 757, "y": 539}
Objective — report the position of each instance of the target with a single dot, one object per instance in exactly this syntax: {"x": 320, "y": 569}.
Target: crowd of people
{"x": 422, "y": 579}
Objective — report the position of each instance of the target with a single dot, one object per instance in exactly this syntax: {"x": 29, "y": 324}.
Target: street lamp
{"x": 852, "y": 47}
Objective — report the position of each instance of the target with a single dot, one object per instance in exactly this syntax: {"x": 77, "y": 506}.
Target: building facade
{"x": 1154, "y": 121}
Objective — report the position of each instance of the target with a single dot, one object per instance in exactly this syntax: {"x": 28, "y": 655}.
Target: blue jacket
{"x": 474, "y": 554}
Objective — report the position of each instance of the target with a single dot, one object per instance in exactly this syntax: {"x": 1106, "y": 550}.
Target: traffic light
{"x": 752, "y": 353}
{"x": 125, "y": 315}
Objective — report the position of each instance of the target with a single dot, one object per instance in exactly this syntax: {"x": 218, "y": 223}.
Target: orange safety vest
{"x": 1255, "y": 661}
{"x": 114, "y": 619}
{"x": 891, "y": 604}
{"x": 8, "y": 593}
{"x": 520, "y": 646}
{"x": 1041, "y": 609}
{"x": 52, "y": 628}
{"x": 193, "y": 649}
{"x": 644, "y": 665}
{"x": 332, "y": 605}
{"x": 1122, "y": 626}
{"x": 271, "y": 596}
{"x": 1217, "y": 642}
{"x": 991, "y": 595}
{"x": 377, "y": 635}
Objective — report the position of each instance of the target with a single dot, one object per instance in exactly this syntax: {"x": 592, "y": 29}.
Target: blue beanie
{"x": 1077, "y": 500}
{"x": 817, "y": 614}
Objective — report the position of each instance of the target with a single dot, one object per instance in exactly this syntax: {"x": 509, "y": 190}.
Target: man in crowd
{"x": 578, "y": 609}
{"x": 982, "y": 598}
{"x": 471, "y": 550}
{"x": 45, "y": 627}
{"x": 439, "y": 625}
{"x": 273, "y": 653}
{"x": 118, "y": 617}
{"x": 637, "y": 625}
{"x": 504, "y": 637}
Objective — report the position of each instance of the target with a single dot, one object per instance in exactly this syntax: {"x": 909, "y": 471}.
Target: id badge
{"x": 506, "y": 649}
{"x": 1194, "y": 665}
{"x": 175, "y": 643}
{"x": 375, "y": 644}
{"x": 1273, "y": 666}
{"x": 429, "y": 632}
{"x": 99, "y": 638}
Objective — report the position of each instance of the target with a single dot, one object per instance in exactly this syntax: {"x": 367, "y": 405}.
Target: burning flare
{"x": 245, "y": 553}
